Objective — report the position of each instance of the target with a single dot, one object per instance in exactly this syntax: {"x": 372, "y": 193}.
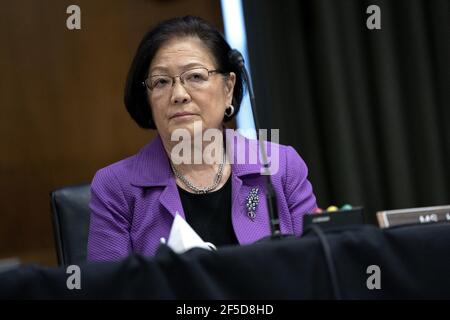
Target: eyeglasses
{"x": 193, "y": 79}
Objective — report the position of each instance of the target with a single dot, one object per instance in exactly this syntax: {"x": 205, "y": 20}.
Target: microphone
{"x": 235, "y": 57}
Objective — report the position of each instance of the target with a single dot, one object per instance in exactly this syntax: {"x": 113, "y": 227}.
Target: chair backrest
{"x": 70, "y": 216}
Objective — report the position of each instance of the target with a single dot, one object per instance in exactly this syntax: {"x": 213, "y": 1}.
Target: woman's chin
{"x": 192, "y": 124}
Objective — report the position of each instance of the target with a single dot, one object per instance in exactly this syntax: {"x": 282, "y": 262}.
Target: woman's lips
{"x": 182, "y": 115}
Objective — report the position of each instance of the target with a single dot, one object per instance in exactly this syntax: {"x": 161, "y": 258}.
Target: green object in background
{"x": 346, "y": 207}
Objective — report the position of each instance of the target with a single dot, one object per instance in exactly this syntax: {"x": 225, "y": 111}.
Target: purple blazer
{"x": 134, "y": 201}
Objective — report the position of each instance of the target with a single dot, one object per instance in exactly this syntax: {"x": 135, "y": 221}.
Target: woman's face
{"x": 204, "y": 103}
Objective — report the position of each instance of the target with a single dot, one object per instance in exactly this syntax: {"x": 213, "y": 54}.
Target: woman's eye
{"x": 159, "y": 83}
{"x": 195, "y": 77}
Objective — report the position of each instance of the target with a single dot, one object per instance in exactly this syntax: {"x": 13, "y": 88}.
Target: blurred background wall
{"x": 61, "y": 100}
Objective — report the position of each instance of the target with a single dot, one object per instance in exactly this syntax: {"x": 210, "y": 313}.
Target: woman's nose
{"x": 179, "y": 94}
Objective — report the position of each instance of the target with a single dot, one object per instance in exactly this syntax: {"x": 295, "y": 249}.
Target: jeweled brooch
{"x": 252, "y": 203}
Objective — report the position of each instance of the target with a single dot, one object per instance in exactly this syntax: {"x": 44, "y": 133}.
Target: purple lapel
{"x": 152, "y": 169}
{"x": 246, "y": 177}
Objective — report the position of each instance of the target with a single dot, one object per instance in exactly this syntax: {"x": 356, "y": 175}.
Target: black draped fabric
{"x": 369, "y": 110}
{"x": 413, "y": 263}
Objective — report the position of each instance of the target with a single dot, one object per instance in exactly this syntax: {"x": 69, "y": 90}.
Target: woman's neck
{"x": 191, "y": 156}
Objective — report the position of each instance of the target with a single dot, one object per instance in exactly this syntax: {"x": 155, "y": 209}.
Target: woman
{"x": 182, "y": 82}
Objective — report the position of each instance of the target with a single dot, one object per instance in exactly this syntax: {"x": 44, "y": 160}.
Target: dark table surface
{"x": 414, "y": 262}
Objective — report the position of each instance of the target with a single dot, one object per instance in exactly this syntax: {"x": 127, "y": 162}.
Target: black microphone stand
{"x": 274, "y": 221}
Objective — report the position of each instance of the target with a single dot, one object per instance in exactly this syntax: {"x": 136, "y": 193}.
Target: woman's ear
{"x": 229, "y": 87}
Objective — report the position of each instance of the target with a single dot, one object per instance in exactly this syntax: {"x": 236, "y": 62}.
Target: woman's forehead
{"x": 181, "y": 53}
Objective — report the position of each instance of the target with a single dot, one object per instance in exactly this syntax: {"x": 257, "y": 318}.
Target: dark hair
{"x": 136, "y": 93}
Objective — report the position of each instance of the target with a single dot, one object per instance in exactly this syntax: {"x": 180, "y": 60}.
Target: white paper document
{"x": 183, "y": 238}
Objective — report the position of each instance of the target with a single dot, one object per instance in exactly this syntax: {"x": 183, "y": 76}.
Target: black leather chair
{"x": 70, "y": 216}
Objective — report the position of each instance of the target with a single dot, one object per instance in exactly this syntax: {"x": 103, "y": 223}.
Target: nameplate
{"x": 392, "y": 218}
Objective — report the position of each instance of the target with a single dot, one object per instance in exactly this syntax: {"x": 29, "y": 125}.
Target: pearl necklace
{"x": 198, "y": 190}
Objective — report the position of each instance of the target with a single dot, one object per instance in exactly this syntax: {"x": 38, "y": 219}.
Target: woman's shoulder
{"x": 253, "y": 144}
{"x": 283, "y": 159}
{"x": 123, "y": 169}
{"x": 289, "y": 160}
{"x": 115, "y": 172}
{"x": 131, "y": 170}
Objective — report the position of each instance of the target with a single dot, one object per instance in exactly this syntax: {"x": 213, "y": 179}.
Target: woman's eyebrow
{"x": 193, "y": 64}
{"x": 158, "y": 69}
{"x": 184, "y": 67}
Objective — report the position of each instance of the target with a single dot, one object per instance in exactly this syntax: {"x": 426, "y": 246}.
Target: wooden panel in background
{"x": 61, "y": 101}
